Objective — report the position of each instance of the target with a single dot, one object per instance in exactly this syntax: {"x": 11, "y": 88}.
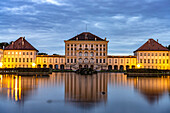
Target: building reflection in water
{"x": 86, "y": 89}
{"x": 83, "y": 89}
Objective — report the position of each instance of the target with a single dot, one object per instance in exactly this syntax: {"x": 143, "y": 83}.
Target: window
{"x": 97, "y": 45}
{"x": 30, "y": 53}
{"x": 148, "y": 54}
{"x": 67, "y": 60}
{"x": 144, "y": 54}
{"x": 31, "y": 59}
{"x": 115, "y": 60}
{"x": 92, "y": 45}
{"x": 100, "y": 45}
{"x": 167, "y": 54}
{"x": 68, "y": 49}
{"x": 103, "y": 60}
{"x": 163, "y": 61}
{"x": 86, "y": 45}
{"x": 96, "y": 60}
{"x": 80, "y": 53}
{"x": 86, "y": 54}
{"x": 159, "y": 54}
{"x": 67, "y": 44}
{"x": 163, "y": 54}
{"x": 71, "y": 60}
{"x": 104, "y": 54}
{"x": 140, "y": 54}
{"x": 23, "y": 53}
{"x": 8, "y": 59}
{"x": 71, "y": 44}
{"x": 144, "y": 60}
{"x": 155, "y": 54}
{"x": 167, "y": 61}
{"x": 152, "y": 61}
{"x": 86, "y": 60}
{"x": 19, "y": 59}
{"x": 100, "y": 60}
{"x": 12, "y": 59}
{"x": 55, "y": 60}
{"x": 91, "y": 54}
{"x": 121, "y": 60}
{"x": 109, "y": 60}
{"x": 96, "y": 54}
{"x": 80, "y": 45}
{"x": 80, "y": 60}
{"x": 23, "y": 59}
{"x": 152, "y": 54}
{"x": 16, "y": 53}
{"x": 61, "y": 60}
{"x": 74, "y": 60}
{"x": 160, "y": 61}
{"x": 156, "y": 61}
{"x": 27, "y": 53}
{"x": 148, "y": 60}
{"x": 20, "y": 53}
{"x": 15, "y": 59}
{"x": 27, "y": 60}
{"x": 140, "y": 60}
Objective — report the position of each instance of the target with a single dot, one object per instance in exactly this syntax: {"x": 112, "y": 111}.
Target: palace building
{"x": 85, "y": 50}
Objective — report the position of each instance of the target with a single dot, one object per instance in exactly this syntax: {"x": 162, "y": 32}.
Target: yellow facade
{"x": 19, "y": 58}
{"x": 50, "y": 61}
{"x": 121, "y": 62}
{"x": 153, "y": 59}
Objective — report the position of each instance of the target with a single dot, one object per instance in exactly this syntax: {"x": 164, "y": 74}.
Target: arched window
{"x": 92, "y": 60}
{"x": 86, "y": 60}
{"x": 91, "y": 54}
{"x": 86, "y": 54}
{"x": 80, "y": 60}
{"x": 80, "y": 53}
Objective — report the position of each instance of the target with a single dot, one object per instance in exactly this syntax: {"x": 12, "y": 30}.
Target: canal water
{"x": 72, "y": 93}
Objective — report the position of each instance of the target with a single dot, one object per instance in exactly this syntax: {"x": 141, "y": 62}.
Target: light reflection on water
{"x": 69, "y": 92}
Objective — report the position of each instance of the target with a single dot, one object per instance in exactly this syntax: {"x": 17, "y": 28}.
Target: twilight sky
{"x": 127, "y": 24}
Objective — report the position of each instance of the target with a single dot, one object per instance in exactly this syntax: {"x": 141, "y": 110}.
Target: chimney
{"x": 157, "y": 40}
{"x": 95, "y": 38}
{"x": 105, "y": 39}
{"x": 77, "y": 38}
{"x": 12, "y": 43}
{"x": 149, "y": 41}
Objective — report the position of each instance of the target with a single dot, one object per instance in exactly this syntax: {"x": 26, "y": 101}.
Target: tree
{"x": 55, "y": 54}
{"x": 168, "y": 47}
{"x": 3, "y": 44}
{"x": 42, "y": 54}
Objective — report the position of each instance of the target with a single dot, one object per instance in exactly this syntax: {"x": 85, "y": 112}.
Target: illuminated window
{"x": 144, "y": 60}
{"x": 140, "y": 60}
{"x": 8, "y": 53}
{"x": 148, "y": 60}
{"x": 12, "y": 52}
{"x": 163, "y": 61}
{"x": 152, "y": 61}
{"x": 20, "y": 53}
{"x": 16, "y": 53}
{"x": 160, "y": 61}
{"x": 8, "y": 59}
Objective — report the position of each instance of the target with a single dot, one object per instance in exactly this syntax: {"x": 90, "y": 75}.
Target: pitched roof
{"x": 87, "y": 36}
{"x": 20, "y": 44}
{"x": 152, "y": 45}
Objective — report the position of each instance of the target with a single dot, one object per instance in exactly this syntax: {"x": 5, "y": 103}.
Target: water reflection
{"x": 82, "y": 89}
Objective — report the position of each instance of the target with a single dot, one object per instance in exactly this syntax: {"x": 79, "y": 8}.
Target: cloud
{"x": 20, "y": 10}
{"x": 54, "y": 2}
